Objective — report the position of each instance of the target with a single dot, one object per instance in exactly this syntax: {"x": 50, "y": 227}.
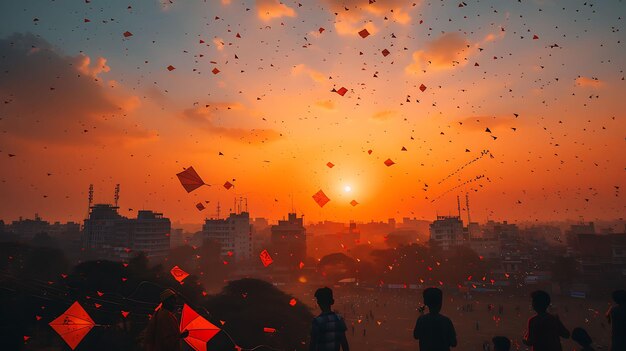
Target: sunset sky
{"x": 132, "y": 92}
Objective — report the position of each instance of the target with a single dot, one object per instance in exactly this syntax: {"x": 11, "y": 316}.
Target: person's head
{"x": 619, "y": 296}
{"x": 501, "y": 343}
{"x": 541, "y": 301}
{"x": 324, "y": 297}
{"x": 581, "y": 336}
{"x": 433, "y": 298}
{"x": 168, "y": 299}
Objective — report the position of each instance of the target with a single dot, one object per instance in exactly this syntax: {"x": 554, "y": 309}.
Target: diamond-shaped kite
{"x": 179, "y": 274}
{"x": 200, "y": 330}
{"x": 389, "y": 162}
{"x": 342, "y": 91}
{"x": 200, "y": 206}
{"x": 73, "y": 325}
{"x": 353, "y": 203}
{"x": 190, "y": 180}
{"x": 422, "y": 87}
{"x": 330, "y": 165}
{"x": 364, "y": 33}
{"x": 266, "y": 259}
{"x": 228, "y": 185}
{"x": 321, "y": 198}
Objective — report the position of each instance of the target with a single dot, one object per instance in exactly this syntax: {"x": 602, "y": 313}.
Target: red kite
{"x": 364, "y": 33}
{"x": 330, "y": 165}
{"x": 422, "y": 87}
{"x": 200, "y": 206}
{"x": 321, "y": 198}
{"x": 200, "y": 330}
{"x": 353, "y": 203}
{"x": 386, "y": 52}
{"x": 266, "y": 259}
{"x": 73, "y": 325}
{"x": 179, "y": 274}
{"x": 342, "y": 91}
{"x": 389, "y": 162}
{"x": 190, "y": 179}
{"x": 228, "y": 185}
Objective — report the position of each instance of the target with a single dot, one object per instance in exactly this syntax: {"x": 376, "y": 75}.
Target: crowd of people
{"x": 433, "y": 330}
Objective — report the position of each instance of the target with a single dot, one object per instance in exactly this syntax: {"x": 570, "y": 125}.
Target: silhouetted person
{"x": 328, "y": 331}
{"x": 544, "y": 329}
{"x": 162, "y": 332}
{"x": 501, "y": 343}
{"x": 617, "y": 318}
{"x": 582, "y": 338}
{"x": 434, "y": 331}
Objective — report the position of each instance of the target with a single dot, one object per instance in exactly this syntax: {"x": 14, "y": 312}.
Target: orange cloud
{"x": 204, "y": 117}
{"x": 351, "y": 14}
{"x": 270, "y": 9}
{"x": 326, "y": 104}
{"x": 84, "y": 66}
{"x": 52, "y": 98}
{"x": 384, "y": 115}
{"x": 446, "y": 52}
{"x": 304, "y": 69}
{"x": 589, "y": 82}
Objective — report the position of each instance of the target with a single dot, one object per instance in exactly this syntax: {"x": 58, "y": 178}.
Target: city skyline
{"x": 518, "y": 104}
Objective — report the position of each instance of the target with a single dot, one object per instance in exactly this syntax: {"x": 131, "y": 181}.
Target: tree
{"x": 247, "y": 306}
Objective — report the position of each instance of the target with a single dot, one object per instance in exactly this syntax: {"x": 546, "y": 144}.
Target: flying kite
{"x": 190, "y": 180}
{"x": 321, "y": 198}
{"x": 266, "y": 259}
{"x": 200, "y": 330}
{"x": 73, "y": 325}
{"x": 179, "y": 274}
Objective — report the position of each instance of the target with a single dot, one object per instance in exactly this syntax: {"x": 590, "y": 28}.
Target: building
{"x": 109, "y": 235}
{"x": 233, "y": 234}
{"x": 288, "y": 241}
{"x": 447, "y": 232}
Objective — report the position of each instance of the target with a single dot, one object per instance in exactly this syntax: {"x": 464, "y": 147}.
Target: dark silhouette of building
{"x": 289, "y": 241}
{"x": 107, "y": 234}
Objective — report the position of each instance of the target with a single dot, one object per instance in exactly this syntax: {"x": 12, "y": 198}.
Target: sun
{"x": 347, "y": 188}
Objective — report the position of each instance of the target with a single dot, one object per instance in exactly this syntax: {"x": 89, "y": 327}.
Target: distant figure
{"x": 582, "y": 338}
{"x": 328, "y": 331}
{"x": 544, "y": 329}
{"x": 434, "y": 331}
{"x": 162, "y": 332}
{"x": 616, "y": 316}
{"x": 501, "y": 343}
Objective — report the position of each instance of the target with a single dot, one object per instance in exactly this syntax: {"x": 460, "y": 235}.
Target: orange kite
{"x": 73, "y": 325}
{"x": 200, "y": 330}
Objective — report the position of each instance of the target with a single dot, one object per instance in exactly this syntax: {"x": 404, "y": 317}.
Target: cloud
{"x": 304, "y": 69}
{"x": 326, "y": 104}
{"x": 219, "y": 43}
{"x": 589, "y": 82}
{"x": 83, "y": 64}
{"x": 354, "y": 15}
{"x": 445, "y": 52}
{"x": 52, "y": 98}
{"x": 384, "y": 115}
{"x": 204, "y": 117}
{"x": 448, "y": 51}
{"x": 270, "y": 9}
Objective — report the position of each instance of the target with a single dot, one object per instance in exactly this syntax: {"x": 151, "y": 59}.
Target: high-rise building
{"x": 233, "y": 234}
{"x": 107, "y": 234}
{"x": 447, "y": 232}
{"x": 289, "y": 241}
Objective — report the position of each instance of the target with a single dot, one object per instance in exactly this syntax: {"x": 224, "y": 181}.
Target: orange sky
{"x": 82, "y": 104}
